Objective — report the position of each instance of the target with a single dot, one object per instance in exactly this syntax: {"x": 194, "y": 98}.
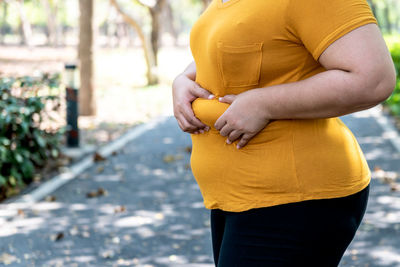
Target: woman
{"x": 285, "y": 179}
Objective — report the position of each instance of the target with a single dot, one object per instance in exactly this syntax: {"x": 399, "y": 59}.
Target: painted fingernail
{"x": 211, "y": 96}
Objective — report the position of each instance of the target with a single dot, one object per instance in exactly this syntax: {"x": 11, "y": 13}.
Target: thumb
{"x": 227, "y": 99}
{"x": 198, "y": 91}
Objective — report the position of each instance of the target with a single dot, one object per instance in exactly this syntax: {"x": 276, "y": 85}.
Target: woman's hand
{"x": 184, "y": 92}
{"x": 244, "y": 118}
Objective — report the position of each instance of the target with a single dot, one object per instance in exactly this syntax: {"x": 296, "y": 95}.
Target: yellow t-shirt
{"x": 245, "y": 44}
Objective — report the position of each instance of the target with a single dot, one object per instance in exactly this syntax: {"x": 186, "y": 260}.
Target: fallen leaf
{"x": 169, "y": 158}
{"x": 91, "y": 194}
{"x": 21, "y": 213}
{"x": 377, "y": 168}
{"x": 172, "y": 158}
{"x": 394, "y": 187}
{"x": 57, "y": 237}
{"x": 119, "y": 209}
{"x": 50, "y": 198}
{"x": 99, "y": 192}
{"x": 97, "y": 157}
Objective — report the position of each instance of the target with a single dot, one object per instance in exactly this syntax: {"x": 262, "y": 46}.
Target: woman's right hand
{"x": 184, "y": 91}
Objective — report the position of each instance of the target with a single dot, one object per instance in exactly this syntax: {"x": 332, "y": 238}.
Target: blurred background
{"x": 127, "y": 52}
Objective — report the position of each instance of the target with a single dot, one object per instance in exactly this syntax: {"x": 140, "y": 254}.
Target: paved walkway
{"x": 142, "y": 207}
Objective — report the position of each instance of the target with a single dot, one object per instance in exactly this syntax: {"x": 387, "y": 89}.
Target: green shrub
{"x": 393, "y": 102}
{"x": 26, "y": 105}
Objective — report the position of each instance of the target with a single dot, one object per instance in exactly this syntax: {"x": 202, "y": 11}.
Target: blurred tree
{"x": 25, "y": 25}
{"x": 4, "y": 24}
{"x": 206, "y": 3}
{"x": 87, "y": 104}
{"x": 169, "y": 19}
{"x": 149, "y": 54}
{"x": 51, "y": 8}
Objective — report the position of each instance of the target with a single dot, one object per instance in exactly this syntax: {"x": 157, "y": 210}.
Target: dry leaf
{"x": 394, "y": 187}
{"x": 99, "y": 192}
{"x": 377, "y": 168}
{"x": 50, "y": 198}
{"x": 21, "y": 213}
{"x": 169, "y": 158}
{"x": 119, "y": 209}
{"x": 57, "y": 237}
{"x": 97, "y": 157}
{"x": 172, "y": 158}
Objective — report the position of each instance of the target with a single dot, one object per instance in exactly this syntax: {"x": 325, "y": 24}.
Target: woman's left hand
{"x": 245, "y": 117}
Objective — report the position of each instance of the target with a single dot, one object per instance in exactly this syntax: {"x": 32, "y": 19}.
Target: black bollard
{"x": 72, "y": 106}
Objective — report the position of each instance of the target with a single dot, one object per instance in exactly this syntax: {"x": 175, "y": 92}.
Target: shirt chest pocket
{"x": 239, "y": 65}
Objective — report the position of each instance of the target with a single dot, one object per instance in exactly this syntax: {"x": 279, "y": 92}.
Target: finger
{"x": 226, "y": 130}
{"x": 227, "y": 99}
{"x": 198, "y": 91}
{"x": 220, "y": 122}
{"x": 233, "y": 136}
{"x": 244, "y": 140}
{"x": 185, "y": 125}
{"x": 187, "y": 113}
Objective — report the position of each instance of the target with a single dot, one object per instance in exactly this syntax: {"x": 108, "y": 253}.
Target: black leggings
{"x": 308, "y": 233}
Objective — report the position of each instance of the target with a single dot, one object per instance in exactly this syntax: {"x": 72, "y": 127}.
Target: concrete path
{"x": 142, "y": 207}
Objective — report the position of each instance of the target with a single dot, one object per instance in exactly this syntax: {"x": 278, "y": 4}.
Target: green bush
{"x": 393, "y": 102}
{"x": 26, "y": 105}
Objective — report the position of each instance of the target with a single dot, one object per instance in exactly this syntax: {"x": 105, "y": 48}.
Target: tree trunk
{"x": 169, "y": 14}
{"x": 4, "y": 22}
{"x": 155, "y": 13}
{"x": 51, "y": 14}
{"x": 206, "y": 3}
{"x": 148, "y": 51}
{"x": 25, "y": 26}
{"x": 87, "y": 103}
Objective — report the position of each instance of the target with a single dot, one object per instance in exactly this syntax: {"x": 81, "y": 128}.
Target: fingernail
{"x": 196, "y": 132}
{"x": 211, "y": 96}
{"x": 220, "y": 99}
{"x": 207, "y": 129}
{"x": 238, "y": 147}
{"x": 202, "y": 131}
{"x": 228, "y": 141}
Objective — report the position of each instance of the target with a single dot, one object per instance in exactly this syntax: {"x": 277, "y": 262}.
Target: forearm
{"x": 328, "y": 94}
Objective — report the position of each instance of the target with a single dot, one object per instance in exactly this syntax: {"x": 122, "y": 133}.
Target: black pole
{"x": 72, "y": 107}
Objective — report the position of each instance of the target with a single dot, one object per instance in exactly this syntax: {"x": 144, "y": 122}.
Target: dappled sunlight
{"x": 133, "y": 221}
{"x": 385, "y": 256}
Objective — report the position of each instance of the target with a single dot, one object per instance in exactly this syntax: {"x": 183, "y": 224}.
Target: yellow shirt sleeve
{"x": 318, "y": 23}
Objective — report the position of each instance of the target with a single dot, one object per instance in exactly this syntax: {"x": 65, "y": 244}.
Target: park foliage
{"x": 394, "y": 101}
{"x": 27, "y": 103}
